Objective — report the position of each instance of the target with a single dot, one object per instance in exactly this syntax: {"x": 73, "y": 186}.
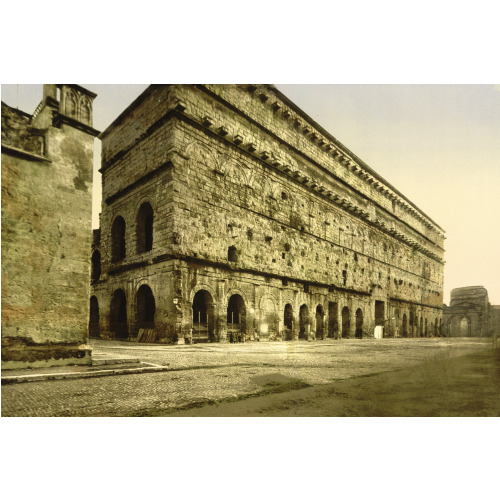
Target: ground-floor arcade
{"x": 186, "y": 304}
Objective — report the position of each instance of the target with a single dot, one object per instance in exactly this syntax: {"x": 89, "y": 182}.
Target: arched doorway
{"x": 319, "y": 322}
{"x": 146, "y": 308}
{"x": 304, "y": 321}
{"x": 421, "y": 326}
{"x": 359, "y": 324}
{"x": 288, "y": 322}
{"x": 426, "y": 331}
{"x": 405, "y": 325}
{"x": 203, "y": 317}
{"x": 412, "y": 323}
{"x": 460, "y": 326}
{"x": 436, "y": 327}
{"x": 118, "y": 315}
{"x": 236, "y": 318}
{"x": 94, "y": 331}
{"x": 144, "y": 228}
{"x": 346, "y": 323}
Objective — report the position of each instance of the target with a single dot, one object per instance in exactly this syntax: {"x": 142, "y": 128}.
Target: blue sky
{"x": 438, "y": 144}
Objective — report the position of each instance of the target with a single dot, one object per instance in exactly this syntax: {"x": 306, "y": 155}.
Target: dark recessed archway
{"x": 203, "y": 317}
{"x": 288, "y": 322}
{"x": 346, "y": 323}
{"x": 94, "y": 331}
{"x": 319, "y": 322}
{"x": 303, "y": 321}
{"x": 146, "y": 308}
{"x": 236, "y": 318}
{"x": 359, "y": 324}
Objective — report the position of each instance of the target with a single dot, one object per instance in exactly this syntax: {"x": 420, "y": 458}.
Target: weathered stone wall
{"x": 46, "y": 233}
{"x": 247, "y": 202}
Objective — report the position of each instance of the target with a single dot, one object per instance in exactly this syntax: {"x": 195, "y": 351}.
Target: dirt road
{"x": 463, "y": 386}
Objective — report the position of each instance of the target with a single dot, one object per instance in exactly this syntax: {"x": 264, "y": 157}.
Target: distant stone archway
{"x": 460, "y": 326}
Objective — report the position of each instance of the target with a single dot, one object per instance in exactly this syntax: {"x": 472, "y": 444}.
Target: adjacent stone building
{"x": 229, "y": 214}
{"x": 470, "y": 313}
{"x": 47, "y": 164}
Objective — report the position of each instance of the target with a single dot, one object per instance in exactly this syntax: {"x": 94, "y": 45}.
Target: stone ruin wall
{"x": 46, "y": 227}
{"x": 298, "y": 215}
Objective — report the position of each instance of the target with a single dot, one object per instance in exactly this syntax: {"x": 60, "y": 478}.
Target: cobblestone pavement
{"x": 212, "y": 372}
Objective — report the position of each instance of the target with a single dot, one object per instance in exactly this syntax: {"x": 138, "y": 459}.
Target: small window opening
{"x": 232, "y": 254}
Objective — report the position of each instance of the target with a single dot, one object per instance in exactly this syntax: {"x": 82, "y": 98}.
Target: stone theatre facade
{"x": 229, "y": 214}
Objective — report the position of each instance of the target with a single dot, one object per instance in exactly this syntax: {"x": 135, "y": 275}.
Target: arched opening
{"x": 288, "y": 322}
{"x": 460, "y": 326}
{"x": 346, "y": 323}
{"x": 426, "y": 331}
{"x": 118, "y": 239}
{"x": 319, "y": 322}
{"x": 441, "y": 327}
{"x": 333, "y": 320}
{"x": 421, "y": 326}
{"x": 232, "y": 255}
{"x": 95, "y": 273}
{"x": 118, "y": 315}
{"x": 144, "y": 228}
{"x": 203, "y": 317}
{"x": 146, "y": 308}
{"x": 236, "y": 318}
{"x": 405, "y": 325}
{"x": 94, "y": 331}
{"x": 412, "y": 322}
{"x": 436, "y": 326}
{"x": 359, "y": 324}
{"x": 303, "y": 321}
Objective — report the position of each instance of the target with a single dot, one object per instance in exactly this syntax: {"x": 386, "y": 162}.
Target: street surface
{"x": 389, "y": 377}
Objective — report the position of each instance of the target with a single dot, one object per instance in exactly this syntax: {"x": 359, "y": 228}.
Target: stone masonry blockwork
{"x": 263, "y": 227}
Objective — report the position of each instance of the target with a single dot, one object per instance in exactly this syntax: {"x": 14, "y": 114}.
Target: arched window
{"x": 96, "y": 266}
{"x": 118, "y": 240}
{"x": 146, "y": 308}
{"x": 144, "y": 225}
